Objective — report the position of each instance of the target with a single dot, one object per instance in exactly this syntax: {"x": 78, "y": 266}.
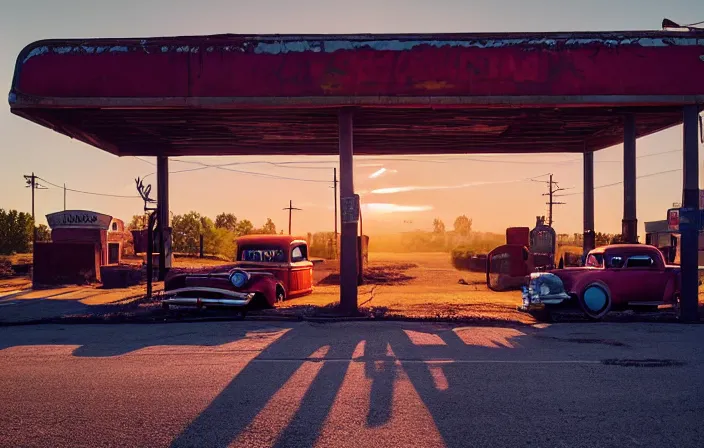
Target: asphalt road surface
{"x": 351, "y": 384}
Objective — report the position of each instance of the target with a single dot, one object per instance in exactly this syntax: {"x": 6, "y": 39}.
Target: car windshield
{"x": 263, "y": 254}
{"x": 595, "y": 260}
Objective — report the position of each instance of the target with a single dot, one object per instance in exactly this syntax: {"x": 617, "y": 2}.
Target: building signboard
{"x": 78, "y": 219}
{"x": 673, "y": 219}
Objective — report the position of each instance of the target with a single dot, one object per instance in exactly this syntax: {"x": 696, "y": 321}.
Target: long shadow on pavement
{"x": 495, "y": 403}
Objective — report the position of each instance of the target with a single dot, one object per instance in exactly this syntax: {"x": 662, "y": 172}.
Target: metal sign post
{"x": 350, "y": 209}
{"x": 153, "y": 213}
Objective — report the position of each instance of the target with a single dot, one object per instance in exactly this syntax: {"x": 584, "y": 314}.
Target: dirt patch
{"x": 391, "y": 274}
{"x": 471, "y": 282}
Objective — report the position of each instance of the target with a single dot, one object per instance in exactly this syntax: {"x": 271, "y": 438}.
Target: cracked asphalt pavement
{"x": 368, "y": 384}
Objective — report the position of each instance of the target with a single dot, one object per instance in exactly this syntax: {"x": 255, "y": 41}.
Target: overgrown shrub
{"x": 6, "y": 269}
{"x": 467, "y": 259}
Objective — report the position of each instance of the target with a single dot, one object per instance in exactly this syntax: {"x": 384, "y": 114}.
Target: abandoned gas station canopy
{"x": 445, "y": 93}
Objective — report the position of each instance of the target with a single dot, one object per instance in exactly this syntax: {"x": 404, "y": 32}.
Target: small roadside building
{"x": 81, "y": 242}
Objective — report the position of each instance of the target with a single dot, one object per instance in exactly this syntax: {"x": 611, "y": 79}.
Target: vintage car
{"x": 614, "y": 277}
{"x": 268, "y": 269}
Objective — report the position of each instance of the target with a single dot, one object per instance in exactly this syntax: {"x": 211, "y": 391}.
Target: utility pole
{"x": 360, "y": 272}
{"x": 334, "y": 186}
{"x": 34, "y": 185}
{"x": 553, "y": 188}
{"x": 290, "y": 209}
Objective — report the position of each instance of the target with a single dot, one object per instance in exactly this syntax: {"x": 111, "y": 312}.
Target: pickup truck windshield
{"x": 265, "y": 255}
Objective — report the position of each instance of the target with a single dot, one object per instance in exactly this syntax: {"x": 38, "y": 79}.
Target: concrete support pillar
{"x": 589, "y": 234}
{"x": 630, "y": 221}
{"x": 689, "y": 216}
{"x": 348, "y": 234}
{"x": 162, "y": 181}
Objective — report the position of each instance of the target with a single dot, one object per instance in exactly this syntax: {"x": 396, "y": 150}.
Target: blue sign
{"x": 690, "y": 219}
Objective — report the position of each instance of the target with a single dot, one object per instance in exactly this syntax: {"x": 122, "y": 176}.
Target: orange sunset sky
{"x": 491, "y": 189}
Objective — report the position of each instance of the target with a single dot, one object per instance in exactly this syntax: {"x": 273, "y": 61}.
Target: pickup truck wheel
{"x": 595, "y": 300}
{"x": 259, "y": 302}
{"x": 280, "y": 294}
{"x": 677, "y": 306}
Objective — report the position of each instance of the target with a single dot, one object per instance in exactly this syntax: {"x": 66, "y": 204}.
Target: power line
{"x": 145, "y": 161}
{"x": 178, "y": 171}
{"x": 273, "y": 176}
{"x": 204, "y": 166}
{"x": 285, "y": 164}
{"x": 620, "y": 182}
{"x": 224, "y": 167}
{"x": 442, "y": 159}
{"x": 89, "y": 192}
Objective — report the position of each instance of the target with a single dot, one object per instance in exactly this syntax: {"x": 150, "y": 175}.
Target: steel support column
{"x": 162, "y": 181}
{"x": 629, "y": 224}
{"x": 348, "y": 234}
{"x": 689, "y": 244}
{"x": 588, "y": 215}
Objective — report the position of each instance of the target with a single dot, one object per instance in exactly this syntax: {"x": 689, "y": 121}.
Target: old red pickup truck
{"x": 268, "y": 269}
{"x": 614, "y": 277}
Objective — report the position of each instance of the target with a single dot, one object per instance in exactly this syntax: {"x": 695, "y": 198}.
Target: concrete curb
{"x": 155, "y": 318}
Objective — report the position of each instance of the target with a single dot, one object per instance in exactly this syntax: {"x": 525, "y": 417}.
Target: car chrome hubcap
{"x": 595, "y": 299}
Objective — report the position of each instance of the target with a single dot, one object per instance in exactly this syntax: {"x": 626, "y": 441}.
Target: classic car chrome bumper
{"x": 543, "y": 289}
{"x": 538, "y": 301}
{"x": 198, "y": 296}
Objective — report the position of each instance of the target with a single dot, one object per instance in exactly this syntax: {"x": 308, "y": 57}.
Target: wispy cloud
{"x": 392, "y": 190}
{"x": 380, "y": 172}
{"x": 377, "y": 173}
{"x": 395, "y": 208}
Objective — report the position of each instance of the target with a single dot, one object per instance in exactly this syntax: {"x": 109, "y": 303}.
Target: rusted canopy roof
{"x": 459, "y": 93}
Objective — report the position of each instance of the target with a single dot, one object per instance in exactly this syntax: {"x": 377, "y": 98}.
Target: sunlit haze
{"x": 402, "y": 193}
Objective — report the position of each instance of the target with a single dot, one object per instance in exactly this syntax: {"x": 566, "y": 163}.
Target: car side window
{"x": 593, "y": 261}
{"x": 298, "y": 254}
{"x": 614, "y": 262}
{"x": 640, "y": 261}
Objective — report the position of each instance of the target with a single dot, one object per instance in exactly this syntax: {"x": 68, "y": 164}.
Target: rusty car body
{"x": 268, "y": 269}
{"x": 525, "y": 251}
{"x": 614, "y": 277}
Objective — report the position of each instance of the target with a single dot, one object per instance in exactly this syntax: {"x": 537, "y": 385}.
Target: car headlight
{"x": 544, "y": 289}
{"x": 239, "y": 279}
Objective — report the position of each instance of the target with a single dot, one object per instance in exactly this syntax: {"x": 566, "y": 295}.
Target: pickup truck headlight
{"x": 239, "y": 279}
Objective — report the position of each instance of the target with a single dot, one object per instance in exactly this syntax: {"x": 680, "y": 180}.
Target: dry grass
{"x": 17, "y": 258}
{"x": 182, "y": 262}
{"x": 430, "y": 288}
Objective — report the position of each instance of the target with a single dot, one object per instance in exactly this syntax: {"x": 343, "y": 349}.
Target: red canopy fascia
{"x": 461, "y": 93}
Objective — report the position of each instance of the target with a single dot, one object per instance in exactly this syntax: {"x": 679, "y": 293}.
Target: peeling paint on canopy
{"x": 275, "y": 46}
{"x": 416, "y": 94}
{"x": 82, "y": 49}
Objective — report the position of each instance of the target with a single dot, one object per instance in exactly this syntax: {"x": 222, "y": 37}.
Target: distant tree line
{"x": 218, "y": 236}
{"x": 577, "y": 239}
{"x": 439, "y": 240}
{"x": 16, "y": 232}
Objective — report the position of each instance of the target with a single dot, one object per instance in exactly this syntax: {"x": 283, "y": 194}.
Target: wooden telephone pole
{"x": 34, "y": 185}
{"x": 553, "y": 188}
{"x": 334, "y": 186}
{"x": 290, "y": 209}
